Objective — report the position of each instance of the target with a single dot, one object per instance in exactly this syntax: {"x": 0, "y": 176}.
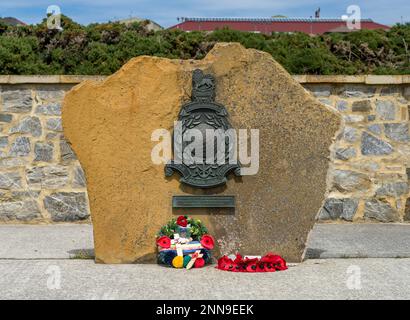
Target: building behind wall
{"x": 269, "y": 25}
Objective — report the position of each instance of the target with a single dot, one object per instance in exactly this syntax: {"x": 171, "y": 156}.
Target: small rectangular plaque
{"x": 203, "y": 201}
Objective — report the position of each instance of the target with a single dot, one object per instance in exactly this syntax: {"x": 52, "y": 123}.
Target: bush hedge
{"x": 101, "y": 49}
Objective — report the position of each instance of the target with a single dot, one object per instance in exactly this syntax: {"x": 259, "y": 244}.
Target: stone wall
{"x": 370, "y": 159}
{"x": 41, "y": 181}
{"x": 40, "y": 178}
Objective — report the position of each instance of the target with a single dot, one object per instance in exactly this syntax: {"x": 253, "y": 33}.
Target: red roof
{"x": 310, "y": 26}
{"x": 12, "y": 21}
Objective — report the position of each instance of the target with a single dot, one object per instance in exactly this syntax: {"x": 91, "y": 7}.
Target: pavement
{"x": 61, "y": 241}
{"x": 367, "y": 240}
{"x": 363, "y": 261}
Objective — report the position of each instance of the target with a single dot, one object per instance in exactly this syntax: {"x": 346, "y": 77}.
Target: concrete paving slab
{"x": 312, "y": 279}
{"x": 368, "y": 240}
{"x": 62, "y": 241}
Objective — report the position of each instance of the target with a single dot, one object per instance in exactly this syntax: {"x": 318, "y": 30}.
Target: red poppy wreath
{"x": 184, "y": 243}
{"x": 268, "y": 263}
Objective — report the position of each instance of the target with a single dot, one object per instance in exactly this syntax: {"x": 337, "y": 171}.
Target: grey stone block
{"x": 406, "y": 93}
{"x": 67, "y": 206}
{"x": 47, "y": 177}
{"x": 320, "y": 91}
{"x": 349, "y": 209}
{"x": 391, "y": 91}
{"x": 28, "y": 125}
{"x": 350, "y": 134}
{"x": 345, "y": 153}
{"x": 51, "y": 135}
{"x": 6, "y": 117}
{"x": 397, "y": 131}
{"x": 386, "y": 110}
{"x": 49, "y": 109}
{"x": 349, "y": 181}
{"x": 4, "y": 141}
{"x": 371, "y": 117}
{"x": 393, "y": 189}
{"x": 66, "y": 153}
{"x": 25, "y": 195}
{"x": 354, "y": 118}
{"x": 20, "y": 147}
{"x": 79, "y": 178}
{"x": 375, "y": 129}
{"x": 43, "y": 151}
{"x": 362, "y": 106}
{"x": 365, "y": 165}
{"x": 54, "y": 124}
{"x": 371, "y": 145}
{"x": 342, "y": 105}
{"x": 334, "y": 209}
{"x": 50, "y": 94}
{"x": 381, "y": 211}
{"x": 10, "y": 180}
{"x": 326, "y": 102}
{"x": 357, "y": 91}
{"x": 18, "y": 101}
{"x": 19, "y": 210}
{"x": 12, "y": 162}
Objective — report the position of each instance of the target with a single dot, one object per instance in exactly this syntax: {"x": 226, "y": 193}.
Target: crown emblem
{"x": 203, "y": 86}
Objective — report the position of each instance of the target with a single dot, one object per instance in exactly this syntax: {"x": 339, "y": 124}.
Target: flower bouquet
{"x": 184, "y": 243}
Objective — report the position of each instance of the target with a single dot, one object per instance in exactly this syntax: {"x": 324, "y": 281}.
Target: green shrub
{"x": 104, "y": 48}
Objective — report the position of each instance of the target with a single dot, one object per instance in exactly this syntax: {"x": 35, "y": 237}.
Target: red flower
{"x": 261, "y": 267}
{"x": 276, "y": 261}
{"x": 224, "y": 263}
{"x": 207, "y": 241}
{"x": 227, "y": 264}
{"x": 182, "y": 221}
{"x": 164, "y": 242}
{"x": 239, "y": 259}
{"x": 199, "y": 263}
{"x": 251, "y": 265}
{"x": 268, "y": 266}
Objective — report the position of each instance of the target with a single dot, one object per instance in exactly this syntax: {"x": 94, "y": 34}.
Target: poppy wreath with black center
{"x": 268, "y": 263}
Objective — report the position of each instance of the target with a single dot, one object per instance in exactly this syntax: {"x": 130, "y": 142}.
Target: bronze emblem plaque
{"x": 203, "y": 113}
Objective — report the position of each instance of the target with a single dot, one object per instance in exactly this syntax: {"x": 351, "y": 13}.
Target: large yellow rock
{"x": 109, "y": 125}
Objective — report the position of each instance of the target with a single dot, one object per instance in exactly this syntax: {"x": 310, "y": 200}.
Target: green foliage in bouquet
{"x": 197, "y": 229}
{"x": 169, "y": 229}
